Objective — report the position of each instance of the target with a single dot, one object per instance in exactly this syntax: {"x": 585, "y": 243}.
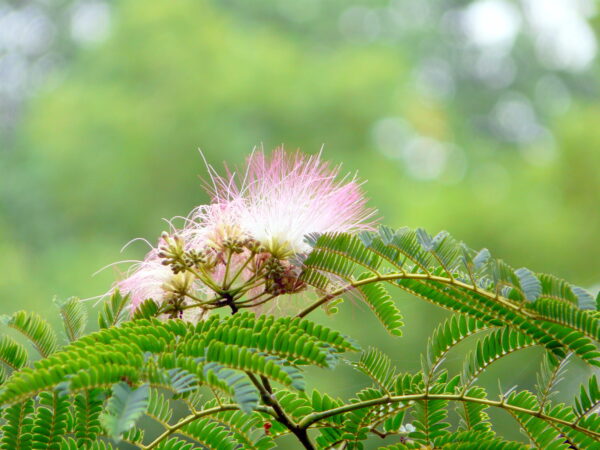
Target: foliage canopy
{"x": 241, "y": 376}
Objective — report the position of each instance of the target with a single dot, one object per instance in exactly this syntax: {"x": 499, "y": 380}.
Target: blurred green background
{"x": 478, "y": 117}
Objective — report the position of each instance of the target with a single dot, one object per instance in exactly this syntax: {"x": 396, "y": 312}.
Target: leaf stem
{"x": 411, "y": 276}
{"x": 315, "y": 417}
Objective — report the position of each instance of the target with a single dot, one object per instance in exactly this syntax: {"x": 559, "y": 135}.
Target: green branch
{"x": 316, "y": 417}
{"x": 417, "y": 276}
{"x": 266, "y": 394}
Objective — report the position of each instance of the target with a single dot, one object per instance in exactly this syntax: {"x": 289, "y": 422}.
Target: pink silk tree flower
{"x": 146, "y": 280}
{"x": 286, "y": 197}
{"x": 241, "y": 249}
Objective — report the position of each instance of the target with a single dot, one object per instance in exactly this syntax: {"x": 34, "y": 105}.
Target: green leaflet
{"x": 175, "y": 444}
{"x": 74, "y": 316}
{"x": 474, "y": 416}
{"x": 356, "y": 423}
{"x": 72, "y": 444}
{"x": 50, "y": 422}
{"x": 550, "y": 375}
{"x": 589, "y": 399}
{"x": 448, "y": 334}
{"x": 88, "y": 407}
{"x": 210, "y": 434}
{"x": 491, "y": 348}
{"x": 244, "y": 428}
{"x": 378, "y": 299}
{"x": 12, "y": 354}
{"x": 464, "y": 440}
{"x": 541, "y": 433}
{"x": 378, "y": 367}
{"x": 17, "y": 429}
{"x": 430, "y": 416}
{"x": 124, "y": 408}
{"x": 113, "y": 311}
{"x": 148, "y": 309}
{"x": 34, "y": 328}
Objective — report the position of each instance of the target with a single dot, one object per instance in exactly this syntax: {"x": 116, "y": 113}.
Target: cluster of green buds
{"x": 232, "y": 269}
{"x": 173, "y": 253}
{"x": 282, "y": 277}
{"x": 237, "y": 245}
{"x": 234, "y": 245}
{"x": 176, "y": 290}
{"x": 196, "y": 259}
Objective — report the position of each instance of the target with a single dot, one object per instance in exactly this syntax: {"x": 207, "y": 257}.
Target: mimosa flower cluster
{"x": 245, "y": 248}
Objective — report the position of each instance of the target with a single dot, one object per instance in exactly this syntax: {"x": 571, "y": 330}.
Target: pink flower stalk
{"x": 284, "y": 198}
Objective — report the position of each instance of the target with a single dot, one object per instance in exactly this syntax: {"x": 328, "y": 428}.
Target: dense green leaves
{"x": 241, "y": 376}
{"x": 240, "y": 343}
{"x": 438, "y": 269}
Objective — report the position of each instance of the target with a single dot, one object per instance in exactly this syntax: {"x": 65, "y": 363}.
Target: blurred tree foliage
{"x": 111, "y": 147}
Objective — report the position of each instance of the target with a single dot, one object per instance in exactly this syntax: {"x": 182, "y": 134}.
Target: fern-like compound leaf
{"x": 209, "y": 434}
{"x": 87, "y": 408}
{"x": 589, "y": 399}
{"x": 50, "y": 422}
{"x": 377, "y": 298}
{"x": 12, "y": 354}
{"x": 246, "y": 429}
{"x": 124, "y": 408}
{"x": 474, "y": 415}
{"x": 378, "y": 367}
{"x": 74, "y": 316}
{"x": 114, "y": 310}
{"x": 542, "y": 434}
{"x": 159, "y": 408}
{"x": 146, "y": 310}
{"x": 175, "y": 444}
{"x": 490, "y": 349}
{"x": 448, "y": 334}
{"x": 68, "y": 443}
{"x": 35, "y": 329}
{"x": 18, "y": 425}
